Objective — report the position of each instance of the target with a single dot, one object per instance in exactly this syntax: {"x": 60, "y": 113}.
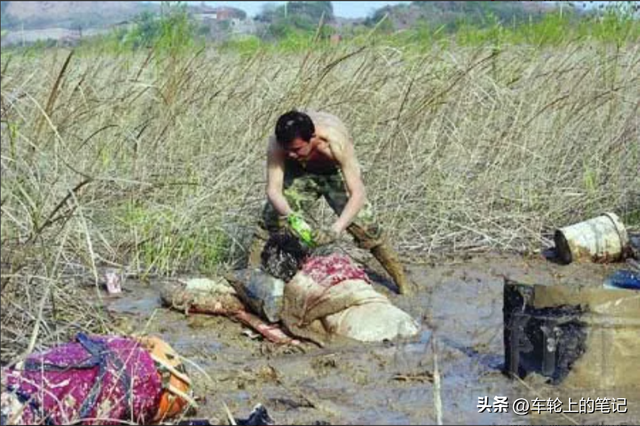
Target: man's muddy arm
{"x": 275, "y": 182}
{"x": 355, "y": 186}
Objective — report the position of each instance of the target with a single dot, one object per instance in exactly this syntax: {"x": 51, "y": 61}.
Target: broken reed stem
{"x": 437, "y": 396}
{"x": 36, "y": 327}
{"x": 229, "y": 415}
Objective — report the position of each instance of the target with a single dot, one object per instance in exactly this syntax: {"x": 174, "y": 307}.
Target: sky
{"x": 343, "y": 9}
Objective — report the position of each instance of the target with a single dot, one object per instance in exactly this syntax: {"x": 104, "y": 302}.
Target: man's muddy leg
{"x": 366, "y": 231}
{"x": 383, "y": 252}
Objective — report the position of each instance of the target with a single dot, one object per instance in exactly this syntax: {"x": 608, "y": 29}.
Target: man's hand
{"x": 323, "y": 237}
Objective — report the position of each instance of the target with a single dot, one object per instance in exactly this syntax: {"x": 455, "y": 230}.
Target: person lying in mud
{"x": 329, "y": 295}
{"x": 296, "y": 294}
{"x": 311, "y": 155}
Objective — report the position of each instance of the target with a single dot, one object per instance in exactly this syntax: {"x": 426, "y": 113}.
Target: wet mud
{"x": 457, "y": 301}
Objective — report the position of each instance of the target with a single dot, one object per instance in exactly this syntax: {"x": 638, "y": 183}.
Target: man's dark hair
{"x": 294, "y": 124}
{"x": 283, "y": 255}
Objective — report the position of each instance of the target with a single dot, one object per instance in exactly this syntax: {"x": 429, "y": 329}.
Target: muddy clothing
{"x": 88, "y": 378}
{"x": 302, "y": 189}
{"x": 331, "y": 298}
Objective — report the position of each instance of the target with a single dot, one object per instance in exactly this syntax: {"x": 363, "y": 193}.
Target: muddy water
{"x": 459, "y": 303}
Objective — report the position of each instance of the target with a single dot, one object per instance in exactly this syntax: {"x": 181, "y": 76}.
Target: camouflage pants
{"x": 302, "y": 190}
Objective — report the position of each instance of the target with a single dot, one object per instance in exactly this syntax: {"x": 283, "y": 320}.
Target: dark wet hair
{"x": 283, "y": 255}
{"x": 294, "y": 124}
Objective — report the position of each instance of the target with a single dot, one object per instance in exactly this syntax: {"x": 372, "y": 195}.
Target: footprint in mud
{"x": 324, "y": 365}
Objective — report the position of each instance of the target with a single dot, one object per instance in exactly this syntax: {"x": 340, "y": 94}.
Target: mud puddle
{"x": 458, "y": 303}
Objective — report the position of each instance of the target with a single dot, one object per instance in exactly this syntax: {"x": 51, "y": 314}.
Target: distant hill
{"x": 69, "y": 14}
{"x": 451, "y": 13}
{"x": 28, "y": 21}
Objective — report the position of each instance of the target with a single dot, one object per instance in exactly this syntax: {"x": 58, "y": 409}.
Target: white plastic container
{"x": 601, "y": 239}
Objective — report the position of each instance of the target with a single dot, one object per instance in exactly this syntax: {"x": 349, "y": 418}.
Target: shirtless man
{"x": 311, "y": 155}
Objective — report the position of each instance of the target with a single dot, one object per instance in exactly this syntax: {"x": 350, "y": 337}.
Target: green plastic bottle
{"x": 301, "y": 229}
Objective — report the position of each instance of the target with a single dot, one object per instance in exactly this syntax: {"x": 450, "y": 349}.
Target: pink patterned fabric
{"x": 333, "y": 269}
{"x": 99, "y": 377}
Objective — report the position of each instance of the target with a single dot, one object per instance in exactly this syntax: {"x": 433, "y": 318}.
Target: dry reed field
{"x": 155, "y": 163}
